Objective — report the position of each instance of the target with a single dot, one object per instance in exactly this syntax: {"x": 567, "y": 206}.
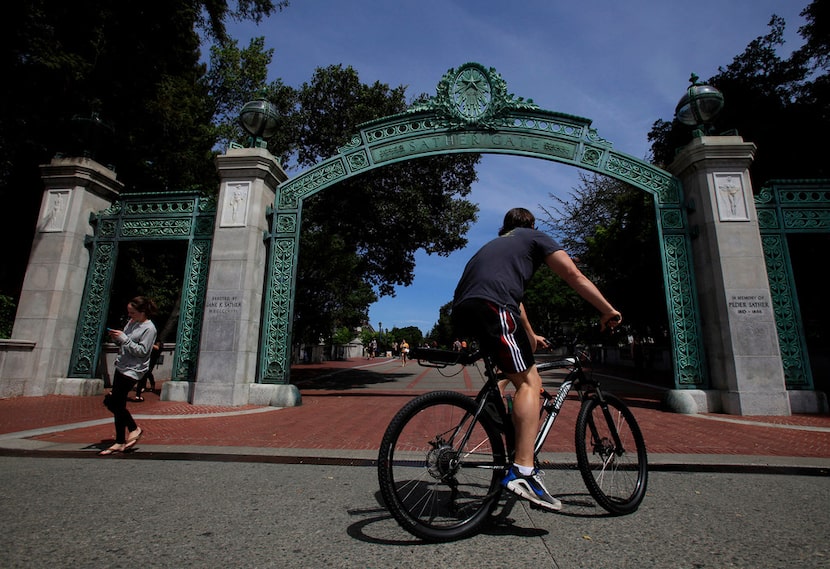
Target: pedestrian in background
{"x": 404, "y": 351}
{"x": 141, "y": 386}
{"x": 135, "y": 343}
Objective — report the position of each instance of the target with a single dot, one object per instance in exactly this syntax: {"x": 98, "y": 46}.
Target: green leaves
{"x": 770, "y": 101}
{"x": 138, "y": 67}
{"x": 359, "y": 238}
{"x": 609, "y": 228}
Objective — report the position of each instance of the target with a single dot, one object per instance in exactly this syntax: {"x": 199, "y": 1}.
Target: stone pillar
{"x": 53, "y": 287}
{"x": 228, "y": 352}
{"x": 740, "y": 336}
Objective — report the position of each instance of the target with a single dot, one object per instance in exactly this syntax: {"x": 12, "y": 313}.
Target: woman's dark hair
{"x": 517, "y": 217}
{"x": 145, "y": 305}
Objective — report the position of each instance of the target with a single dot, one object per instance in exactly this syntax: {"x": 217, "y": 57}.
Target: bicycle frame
{"x": 496, "y": 409}
{"x": 550, "y": 408}
{"x": 576, "y": 379}
{"x": 485, "y": 399}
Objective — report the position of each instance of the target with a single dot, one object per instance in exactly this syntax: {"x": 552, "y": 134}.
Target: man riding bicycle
{"x": 487, "y": 305}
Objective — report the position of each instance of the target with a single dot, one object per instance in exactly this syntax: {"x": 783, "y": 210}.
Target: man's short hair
{"x": 517, "y": 217}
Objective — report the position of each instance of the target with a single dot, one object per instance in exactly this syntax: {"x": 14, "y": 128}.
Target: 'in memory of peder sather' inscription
{"x": 749, "y": 304}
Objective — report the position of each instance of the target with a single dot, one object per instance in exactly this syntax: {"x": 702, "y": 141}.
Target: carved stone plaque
{"x": 224, "y": 305}
{"x": 749, "y": 305}
{"x": 54, "y": 212}
{"x": 235, "y": 205}
{"x": 731, "y": 197}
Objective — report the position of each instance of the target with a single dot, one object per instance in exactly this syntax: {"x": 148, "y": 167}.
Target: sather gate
{"x": 737, "y": 341}
{"x": 473, "y": 112}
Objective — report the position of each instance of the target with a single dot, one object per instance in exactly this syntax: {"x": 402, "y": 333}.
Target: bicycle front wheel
{"x": 439, "y": 467}
{"x": 611, "y": 454}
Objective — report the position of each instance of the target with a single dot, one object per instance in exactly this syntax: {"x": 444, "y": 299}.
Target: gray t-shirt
{"x": 501, "y": 269}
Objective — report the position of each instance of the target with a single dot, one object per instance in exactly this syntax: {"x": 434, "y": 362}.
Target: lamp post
{"x": 699, "y": 106}
{"x": 259, "y": 118}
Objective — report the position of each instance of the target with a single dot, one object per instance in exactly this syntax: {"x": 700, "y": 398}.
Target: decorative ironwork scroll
{"x": 144, "y": 217}
{"x": 472, "y": 111}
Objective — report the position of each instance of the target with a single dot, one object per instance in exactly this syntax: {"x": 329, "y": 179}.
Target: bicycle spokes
{"x": 611, "y": 454}
{"x": 439, "y": 469}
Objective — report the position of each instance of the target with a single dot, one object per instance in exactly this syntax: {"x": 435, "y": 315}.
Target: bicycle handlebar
{"x": 434, "y": 357}
{"x": 443, "y": 358}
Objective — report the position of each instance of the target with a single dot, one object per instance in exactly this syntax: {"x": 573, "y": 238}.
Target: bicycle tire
{"x": 616, "y": 478}
{"x": 434, "y": 490}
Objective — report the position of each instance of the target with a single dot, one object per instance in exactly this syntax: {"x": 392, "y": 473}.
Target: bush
{"x": 343, "y": 336}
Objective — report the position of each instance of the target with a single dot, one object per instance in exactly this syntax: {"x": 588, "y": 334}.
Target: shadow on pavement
{"x": 341, "y": 379}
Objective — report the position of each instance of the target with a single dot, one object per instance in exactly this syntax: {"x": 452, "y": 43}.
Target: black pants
{"x": 124, "y": 423}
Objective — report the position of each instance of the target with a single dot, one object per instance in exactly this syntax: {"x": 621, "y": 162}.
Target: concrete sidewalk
{"x": 347, "y": 406}
{"x": 296, "y": 487}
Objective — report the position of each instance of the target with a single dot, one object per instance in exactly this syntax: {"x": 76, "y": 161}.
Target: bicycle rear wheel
{"x": 436, "y": 484}
{"x": 614, "y": 468}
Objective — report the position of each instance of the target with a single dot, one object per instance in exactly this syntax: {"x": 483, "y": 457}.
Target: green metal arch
{"x": 148, "y": 216}
{"x": 473, "y": 112}
{"x": 785, "y": 207}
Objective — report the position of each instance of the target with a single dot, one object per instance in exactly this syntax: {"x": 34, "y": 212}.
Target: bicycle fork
{"x": 600, "y": 446}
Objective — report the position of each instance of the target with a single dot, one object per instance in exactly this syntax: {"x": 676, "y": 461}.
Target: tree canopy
{"x": 359, "y": 239}
{"x": 771, "y": 101}
{"x": 609, "y": 226}
{"x": 124, "y": 83}
{"x": 120, "y": 82}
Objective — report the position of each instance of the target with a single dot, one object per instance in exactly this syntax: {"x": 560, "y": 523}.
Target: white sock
{"x": 524, "y": 470}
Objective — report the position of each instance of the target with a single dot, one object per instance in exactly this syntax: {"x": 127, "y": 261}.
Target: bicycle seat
{"x": 443, "y": 358}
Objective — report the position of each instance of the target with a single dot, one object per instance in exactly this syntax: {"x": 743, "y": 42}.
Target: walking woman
{"x": 135, "y": 346}
{"x": 404, "y": 352}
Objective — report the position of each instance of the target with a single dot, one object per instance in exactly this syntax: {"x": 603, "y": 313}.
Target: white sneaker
{"x": 530, "y": 488}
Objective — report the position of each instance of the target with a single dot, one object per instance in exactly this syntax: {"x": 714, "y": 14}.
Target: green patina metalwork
{"x": 143, "y": 217}
{"x": 473, "y": 112}
{"x": 790, "y": 206}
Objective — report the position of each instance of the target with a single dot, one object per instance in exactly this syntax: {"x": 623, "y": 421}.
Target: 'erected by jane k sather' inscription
{"x": 223, "y": 305}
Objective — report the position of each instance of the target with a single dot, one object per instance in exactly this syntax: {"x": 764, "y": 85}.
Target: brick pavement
{"x": 347, "y": 405}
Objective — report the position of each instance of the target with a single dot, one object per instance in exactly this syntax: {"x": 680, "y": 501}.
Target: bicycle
{"x": 444, "y": 454}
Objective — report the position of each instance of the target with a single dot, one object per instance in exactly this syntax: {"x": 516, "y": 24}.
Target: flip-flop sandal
{"x": 111, "y": 450}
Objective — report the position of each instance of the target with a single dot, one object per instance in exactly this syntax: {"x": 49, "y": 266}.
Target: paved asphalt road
{"x": 90, "y": 513}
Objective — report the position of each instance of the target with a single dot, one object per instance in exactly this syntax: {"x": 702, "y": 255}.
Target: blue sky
{"x": 622, "y": 64}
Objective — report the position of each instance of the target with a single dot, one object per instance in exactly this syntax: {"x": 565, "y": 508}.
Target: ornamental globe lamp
{"x": 699, "y": 105}
{"x": 259, "y": 118}
{"x": 91, "y": 136}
